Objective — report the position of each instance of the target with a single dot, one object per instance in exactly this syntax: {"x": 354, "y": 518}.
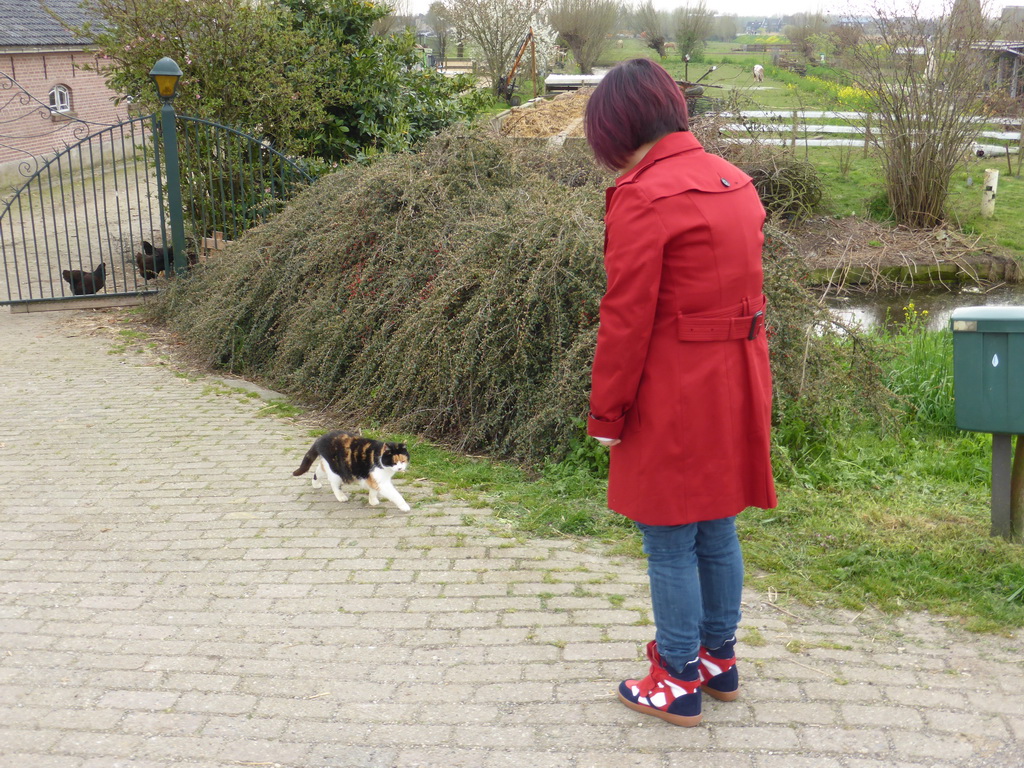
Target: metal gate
{"x": 91, "y": 226}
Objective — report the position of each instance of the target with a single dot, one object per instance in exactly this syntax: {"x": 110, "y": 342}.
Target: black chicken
{"x": 152, "y": 261}
{"x": 85, "y": 283}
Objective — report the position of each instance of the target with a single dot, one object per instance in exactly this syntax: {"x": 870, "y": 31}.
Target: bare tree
{"x": 650, "y": 24}
{"x": 806, "y": 31}
{"x": 725, "y": 29}
{"x": 693, "y": 26}
{"x": 397, "y": 19}
{"x": 440, "y": 24}
{"x": 584, "y": 25}
{"x": 497, "y": 27}
{"x": 925, "y": 78}
{"x": 845, "y": 37}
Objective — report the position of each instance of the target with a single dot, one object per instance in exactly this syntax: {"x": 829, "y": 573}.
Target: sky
{"x": 786, "y": 7}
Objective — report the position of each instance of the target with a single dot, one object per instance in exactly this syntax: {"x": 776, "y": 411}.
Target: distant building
{"x": 1013, "y": 15}
{"x": 42, "y": 88}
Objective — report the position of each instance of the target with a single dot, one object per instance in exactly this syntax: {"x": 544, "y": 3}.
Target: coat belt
{"x": 744, "y": 321}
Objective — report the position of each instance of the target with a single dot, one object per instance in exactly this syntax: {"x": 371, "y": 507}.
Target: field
{"x": 883, "y": 502}
{"x": 895, "y": 517}
{"x": 853, "y": 174}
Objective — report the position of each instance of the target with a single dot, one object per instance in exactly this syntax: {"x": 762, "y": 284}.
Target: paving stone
{"x": 879, "y": 715}
{"x": 215, "y": 611}
{"x": 850, "y": 741}
{"x": 917, "y": 744}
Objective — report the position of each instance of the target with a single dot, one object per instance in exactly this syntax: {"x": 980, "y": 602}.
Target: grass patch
{"x": 898, "y": 522}
{"x": 280, "y": 408}
{"x": 897, "y": 519}
{"x": 887, "y": 512}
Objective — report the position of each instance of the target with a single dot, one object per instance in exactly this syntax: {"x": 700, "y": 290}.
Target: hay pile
{"x": 452, "y": 293}
{"x": 543, "y": 119}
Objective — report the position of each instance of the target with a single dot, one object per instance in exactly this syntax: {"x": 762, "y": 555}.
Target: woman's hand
{"x": 608, "y": 442}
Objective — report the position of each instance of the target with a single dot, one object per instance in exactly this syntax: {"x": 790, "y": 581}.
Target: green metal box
{"x": 988, "y": 369}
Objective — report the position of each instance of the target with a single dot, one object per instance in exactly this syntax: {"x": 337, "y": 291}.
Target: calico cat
{"x": 347, "y": 458}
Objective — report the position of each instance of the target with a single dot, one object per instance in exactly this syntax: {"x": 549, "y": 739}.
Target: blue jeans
{"x": 696, "y": 574}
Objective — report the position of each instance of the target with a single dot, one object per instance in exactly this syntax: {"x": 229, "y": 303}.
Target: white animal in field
{"x": 759, "y": 73}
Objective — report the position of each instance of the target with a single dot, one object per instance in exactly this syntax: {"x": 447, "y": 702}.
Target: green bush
{"x": 454, "y": 293}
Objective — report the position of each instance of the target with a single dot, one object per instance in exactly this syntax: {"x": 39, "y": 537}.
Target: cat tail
{"x": 307, "y": 461}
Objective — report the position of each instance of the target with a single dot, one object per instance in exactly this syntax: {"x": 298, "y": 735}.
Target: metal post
{"x": 169, "y": 129}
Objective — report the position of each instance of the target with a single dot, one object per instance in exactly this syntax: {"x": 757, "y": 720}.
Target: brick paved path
{"x": 171, "y": 596}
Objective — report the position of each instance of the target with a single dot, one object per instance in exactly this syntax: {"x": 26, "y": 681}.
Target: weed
{"x": 879, "y": 208}
{"x": 279, "y": 408}
{"x": 754, "y": 638}
{"x": 921, "y": 370}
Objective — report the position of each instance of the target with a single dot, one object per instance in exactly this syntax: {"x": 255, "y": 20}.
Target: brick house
{"x": 46, "y": 101}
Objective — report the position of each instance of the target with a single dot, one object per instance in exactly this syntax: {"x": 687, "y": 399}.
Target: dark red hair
{"x": 636, "y": 102}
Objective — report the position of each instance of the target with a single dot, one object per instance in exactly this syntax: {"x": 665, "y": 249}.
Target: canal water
{"x": 889, "y": 310}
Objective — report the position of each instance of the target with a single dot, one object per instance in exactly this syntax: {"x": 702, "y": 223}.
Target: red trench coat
{"x": 681, "y": 370}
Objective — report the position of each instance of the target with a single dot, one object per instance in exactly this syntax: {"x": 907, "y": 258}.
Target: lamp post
{"x": 165, "y": 74}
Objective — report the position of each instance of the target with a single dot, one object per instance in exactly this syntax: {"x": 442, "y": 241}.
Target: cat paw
{"x": 374, "y": 502}
{"x": 404, "y": 507}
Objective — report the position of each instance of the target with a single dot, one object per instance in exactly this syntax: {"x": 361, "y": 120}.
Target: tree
{"x": 234, "y": 56}
{"x": 845, "y": 37}
{"x": 725, "y": 29}
{"x": 806, "y": 31}
{"x": 650, "y": 24}
{"x": 497, "y": 27}
{"x": 307, "y": 74}
{"x": 925, "y": 80}
{"x": 693, "y": 26}
{"x": 440, "y": 24}
{"x": 584, "y": 25}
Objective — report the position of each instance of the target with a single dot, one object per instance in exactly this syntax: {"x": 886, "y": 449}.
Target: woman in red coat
{"x": 681, "y": 385}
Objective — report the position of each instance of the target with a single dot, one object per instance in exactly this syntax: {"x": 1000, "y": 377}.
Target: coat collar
{"x": 670, "y": 144}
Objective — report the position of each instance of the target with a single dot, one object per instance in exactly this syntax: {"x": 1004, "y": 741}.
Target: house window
{"x": 60, "y": 99}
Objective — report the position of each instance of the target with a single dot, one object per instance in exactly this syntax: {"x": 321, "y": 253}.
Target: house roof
{"x": 30, "y": 23}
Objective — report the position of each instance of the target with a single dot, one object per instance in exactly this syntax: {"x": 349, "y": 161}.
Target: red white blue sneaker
{"x": 718, "y": 675}
{"x": 671, "y": 694}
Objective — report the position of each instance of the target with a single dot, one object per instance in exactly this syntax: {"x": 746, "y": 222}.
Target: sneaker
{"x": 718, "y": 675}
{"x": 673, "y": 695}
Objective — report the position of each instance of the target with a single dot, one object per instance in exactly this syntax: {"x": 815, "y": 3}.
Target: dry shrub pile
{"x": 790, "y": 188}
{"x": 452, "y": 293}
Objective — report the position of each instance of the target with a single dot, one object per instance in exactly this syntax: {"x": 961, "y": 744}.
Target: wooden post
{"x": 1020, "y": 143}
{"x": 1001, "y": 485}
{"x": 533, "y": 64}
{"x": 867, "y": 132}
{"x": 1008, "y": 487}
{"x": 1017, "y": 492}
{"x": 796, "y": 124}
{"x": 988, "y": 193}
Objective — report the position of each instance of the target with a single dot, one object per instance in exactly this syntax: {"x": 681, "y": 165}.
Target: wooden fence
{"x": 851, "y": 129}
